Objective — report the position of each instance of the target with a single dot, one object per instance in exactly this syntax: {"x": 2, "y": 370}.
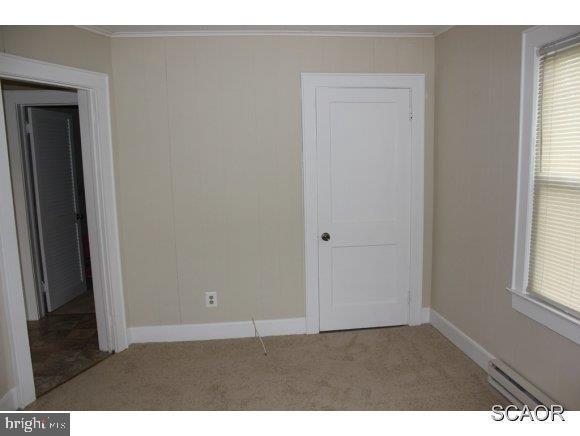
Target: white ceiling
{"x": 378, "y": 31}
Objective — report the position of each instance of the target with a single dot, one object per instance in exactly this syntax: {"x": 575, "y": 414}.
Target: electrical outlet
{"x": 211, "y": 299}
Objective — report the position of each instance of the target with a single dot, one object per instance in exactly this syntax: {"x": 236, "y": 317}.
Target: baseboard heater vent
{"x": 514, "y": 387}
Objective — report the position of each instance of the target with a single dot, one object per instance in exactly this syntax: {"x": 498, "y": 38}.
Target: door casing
{"x": 415, "y": 83}
{"x": 97, "y": 153}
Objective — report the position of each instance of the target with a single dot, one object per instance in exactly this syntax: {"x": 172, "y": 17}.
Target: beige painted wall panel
{"x": 64, "y": 45}
{"x": 215, "y": 215}
{"x": 234, "y": 148}
{"x": 429, "y": 68}
{"x": 144, "y": 183}
{"x": 467, "y": 168}
{"x": 347, "y": 55}
{"x": 477, "y": 110}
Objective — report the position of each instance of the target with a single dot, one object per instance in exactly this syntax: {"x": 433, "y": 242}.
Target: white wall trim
{"x": 94, "y": 108}
{"x": 548, "y": 315}
{"x": 425, "y": 315}
{"x": 99, "y": 30}
{"x": 9, "y": 401}
{"x": 522, "y": 301}
{"x": 443, "y": 30}
{"x": 11, "y": 287}
{"x": 470, "y": 347}
{"x": 256, "y": 32}
{"x": 416, "y": 84}
{"x": 241, "y": 33}
{"x": 222, "y": 330}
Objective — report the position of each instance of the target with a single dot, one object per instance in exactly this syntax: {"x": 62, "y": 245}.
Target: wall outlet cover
{"x": 211, "y": 299}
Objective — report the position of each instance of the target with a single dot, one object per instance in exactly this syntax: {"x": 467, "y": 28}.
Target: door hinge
{"x": 28, "y": 127}
{"x": 44, "y": 287}
{"x": 410, "y": 116}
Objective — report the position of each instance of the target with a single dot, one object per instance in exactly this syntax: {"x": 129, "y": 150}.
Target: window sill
{"x": 550, "y": 316}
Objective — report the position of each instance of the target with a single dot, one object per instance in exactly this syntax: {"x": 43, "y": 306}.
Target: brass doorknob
{"x": 325, "y": 236}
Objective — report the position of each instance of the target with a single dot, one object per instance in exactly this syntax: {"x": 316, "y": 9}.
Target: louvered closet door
{"x": 52, "y": 145}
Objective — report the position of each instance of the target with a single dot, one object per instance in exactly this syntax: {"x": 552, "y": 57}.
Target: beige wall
{"x": 209, "y": 164}
{"x": 477, "y": 107}
{"x": 65, "y": 45}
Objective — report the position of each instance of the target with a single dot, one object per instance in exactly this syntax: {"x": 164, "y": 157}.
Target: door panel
{"x": 364, "y": 174}
{"x": 369, "y": 269}
{"x": 52, "y": 146}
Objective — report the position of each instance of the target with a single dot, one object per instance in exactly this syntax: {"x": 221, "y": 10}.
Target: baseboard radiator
{"x": 514, "y": 387}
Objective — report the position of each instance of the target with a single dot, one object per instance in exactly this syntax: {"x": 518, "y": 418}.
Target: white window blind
{"x": 554, "y": 268}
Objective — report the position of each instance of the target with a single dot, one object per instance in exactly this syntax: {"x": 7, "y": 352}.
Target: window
{"x": 554, "y": 270}
{"x": 546, "y": 270}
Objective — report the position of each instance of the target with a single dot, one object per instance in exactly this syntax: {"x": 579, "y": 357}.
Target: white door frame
{"x": 416, "y": 85}
{"x": 97, "y": 151}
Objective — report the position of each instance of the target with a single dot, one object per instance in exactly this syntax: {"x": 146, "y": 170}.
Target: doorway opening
{"x": 92, "y": 91}
{"x": 44, "y": 147}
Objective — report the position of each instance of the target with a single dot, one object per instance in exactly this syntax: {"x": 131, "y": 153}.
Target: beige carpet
{"x": 386, "y": 369}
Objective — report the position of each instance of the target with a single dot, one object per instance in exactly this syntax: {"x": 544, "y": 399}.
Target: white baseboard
{"x": 9, "y": 401}
{"x": 473, "y": 350}
{"x": 425, "y": 315}
{"x": 222, "y": 330}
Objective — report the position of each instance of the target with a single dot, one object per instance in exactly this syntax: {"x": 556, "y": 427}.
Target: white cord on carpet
{"x": 257, "y": 334}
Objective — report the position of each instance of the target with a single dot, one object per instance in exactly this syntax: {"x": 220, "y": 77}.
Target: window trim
{"x": 524, "y": 302}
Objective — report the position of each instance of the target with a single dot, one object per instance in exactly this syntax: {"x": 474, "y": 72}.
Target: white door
{"x": 364, "y": 189}
{"x": 51, "y": 133}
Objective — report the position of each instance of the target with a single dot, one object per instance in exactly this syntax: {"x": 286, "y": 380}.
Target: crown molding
{"x": 240, "y": 33}
{"x": 96, "y": 29}
{"x": 440, "y": 32}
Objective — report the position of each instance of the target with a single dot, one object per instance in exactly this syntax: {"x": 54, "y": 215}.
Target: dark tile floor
{"x": 64, "y": 343}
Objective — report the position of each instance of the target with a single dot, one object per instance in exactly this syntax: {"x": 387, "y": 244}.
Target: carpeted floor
{"x": 399, "y": 368}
